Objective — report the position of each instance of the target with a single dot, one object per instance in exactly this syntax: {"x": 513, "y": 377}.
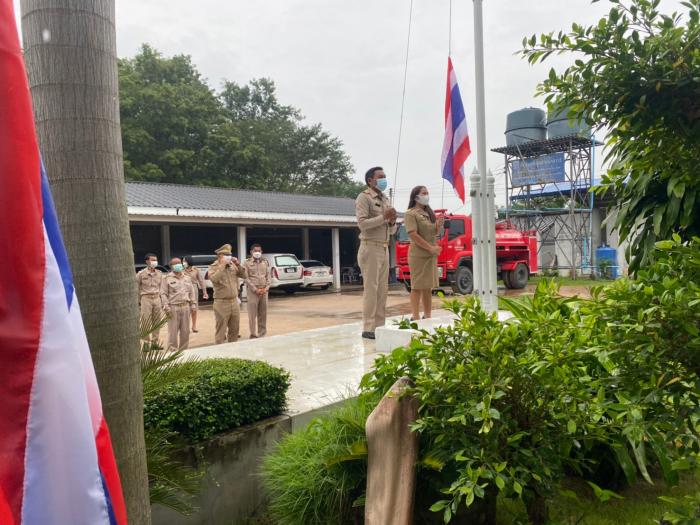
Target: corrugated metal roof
{"x": 155, "y": 195}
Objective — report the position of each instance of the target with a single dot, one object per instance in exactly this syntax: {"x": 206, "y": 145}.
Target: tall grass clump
{"x": 317, "y": 475}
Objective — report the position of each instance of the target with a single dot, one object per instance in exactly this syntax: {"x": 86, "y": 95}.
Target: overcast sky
{"x": 342, "y": 64}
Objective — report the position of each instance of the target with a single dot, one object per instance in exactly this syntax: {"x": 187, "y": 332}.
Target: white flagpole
{"x": 480, "y": 221}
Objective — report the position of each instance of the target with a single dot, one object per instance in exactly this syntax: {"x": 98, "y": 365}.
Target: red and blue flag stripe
{"x": 56, "y": 460}
{"x": 455, "y": 148}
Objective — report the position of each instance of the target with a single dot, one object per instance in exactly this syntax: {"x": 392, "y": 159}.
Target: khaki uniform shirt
{"x": 418, "y": 220}
{"x": 149, "y": 281}
{"x": 258, "y": 271}
{"x": 195, "y": 277}
{"x": 176, "y": 290}
{"x": 225, "y": 279}
{"x": 369, "y": 210}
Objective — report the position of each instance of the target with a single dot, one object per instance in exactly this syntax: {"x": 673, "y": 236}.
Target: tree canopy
{"x": 176, "y": 128}
{"x": 636, "y": 74}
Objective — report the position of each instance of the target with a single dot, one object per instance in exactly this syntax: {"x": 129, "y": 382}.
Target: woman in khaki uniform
{"x": 422, "y": 227}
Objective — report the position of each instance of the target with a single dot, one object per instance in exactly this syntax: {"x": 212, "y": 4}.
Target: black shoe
{"x": 368, "y": 335}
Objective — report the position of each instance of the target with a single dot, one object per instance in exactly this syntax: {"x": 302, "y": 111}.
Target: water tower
{"x": 548, "y": 174}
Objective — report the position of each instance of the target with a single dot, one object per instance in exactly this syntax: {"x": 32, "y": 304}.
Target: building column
{"x": 242, "y": 254}
{"x": 165, "y": 243}
{"x": 336, "y": 258}
{"x": 305, "y": 242}
{"x": 242, "y": 243}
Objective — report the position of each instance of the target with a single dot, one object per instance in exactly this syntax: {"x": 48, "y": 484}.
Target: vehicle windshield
{"x": 311, "y": 264}
{"x": 202, "y": 260}
{"x": 402, "y": 236}
{"x": 286, "y": 260}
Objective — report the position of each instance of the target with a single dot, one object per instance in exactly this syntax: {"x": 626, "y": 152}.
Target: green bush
{"x": 509, "y": 409}
{"x": 224, "y": 394}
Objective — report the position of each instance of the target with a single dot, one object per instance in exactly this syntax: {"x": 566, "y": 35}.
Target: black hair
{"x": 370, "y": 173}
{"x": 149, "y": 255}
{"x": 256, "y": 245}
{"x": 187, "y": 259}
{"x": 412, "y": 203}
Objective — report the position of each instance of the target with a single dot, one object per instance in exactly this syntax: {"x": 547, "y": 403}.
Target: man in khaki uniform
{"x": 377, "y": 222}
{"x": 258, "y": 285}
{"x": 177, "y": 296}
{"x": 198, "y": 283}
{"x": 224, "y": 274}
{"x": 148, "y": 281}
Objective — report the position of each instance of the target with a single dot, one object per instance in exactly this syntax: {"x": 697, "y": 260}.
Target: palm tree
{"x": 70, "y": 52}
{"x": 171, "y": 483}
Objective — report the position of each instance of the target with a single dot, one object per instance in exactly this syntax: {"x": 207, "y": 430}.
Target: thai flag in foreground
{"x": 56, "y": 461}
{"x": 455, "y": 148}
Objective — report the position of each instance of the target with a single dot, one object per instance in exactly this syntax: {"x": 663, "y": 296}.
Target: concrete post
{"x": 491, "y": 285}
{"x": 336, "y": 258}
{"x": 392, "y": 451}
{"x": 165, "y": 243}
{"x": 477, "y": 263}
{"x": 305, "y": 242}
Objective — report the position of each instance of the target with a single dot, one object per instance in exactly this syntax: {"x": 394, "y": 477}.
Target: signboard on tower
{"x": 538, "y": 170}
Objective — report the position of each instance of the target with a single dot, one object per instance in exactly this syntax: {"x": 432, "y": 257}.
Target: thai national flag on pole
{"x": 455, "y": 148}
{"x": 56, "y": 461}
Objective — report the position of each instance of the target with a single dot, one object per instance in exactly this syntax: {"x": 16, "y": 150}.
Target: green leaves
{"x": 633, "y": 73}
{"x": 176, "y": 128}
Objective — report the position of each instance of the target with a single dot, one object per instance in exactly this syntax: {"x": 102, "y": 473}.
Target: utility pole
{"x": 484, "y": 258}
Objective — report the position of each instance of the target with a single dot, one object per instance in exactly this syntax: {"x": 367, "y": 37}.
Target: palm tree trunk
{"x": 70, "y": 51}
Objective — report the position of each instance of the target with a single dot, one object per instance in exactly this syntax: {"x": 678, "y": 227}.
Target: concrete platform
{"x": 326, "y": 364}
{"x": 391, "y": 336}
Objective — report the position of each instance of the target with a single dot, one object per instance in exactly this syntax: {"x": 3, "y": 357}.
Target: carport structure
{"x": 172, "y": 219}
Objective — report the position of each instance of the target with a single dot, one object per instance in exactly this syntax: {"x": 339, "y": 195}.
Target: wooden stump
{"x": 392, "y": 454}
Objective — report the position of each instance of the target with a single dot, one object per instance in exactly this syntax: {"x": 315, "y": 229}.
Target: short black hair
{"x": 187, "y": 259}
{"x": 370, "y": 173}
{"x": 256, "y": 245}
{"x": 149, "y": 255}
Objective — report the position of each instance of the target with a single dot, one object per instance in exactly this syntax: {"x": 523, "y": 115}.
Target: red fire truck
{"x": 516, "y": 254}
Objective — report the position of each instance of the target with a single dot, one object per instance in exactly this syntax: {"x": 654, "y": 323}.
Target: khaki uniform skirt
{"x": 424, "y": 271}
{"x": 422, "y": 264}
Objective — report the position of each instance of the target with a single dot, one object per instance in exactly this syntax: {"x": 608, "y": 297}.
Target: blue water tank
{"x": 606, "y": 253}
{"x": 525, "y": 125}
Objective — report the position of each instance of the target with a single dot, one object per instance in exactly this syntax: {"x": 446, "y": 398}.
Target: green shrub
{"x": 315, "y": 476}
{"x": 224, "y": 394}
{"x": 509, "y": 409}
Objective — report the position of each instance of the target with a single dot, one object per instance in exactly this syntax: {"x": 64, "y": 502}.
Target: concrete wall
{"x": 231, "y": 490}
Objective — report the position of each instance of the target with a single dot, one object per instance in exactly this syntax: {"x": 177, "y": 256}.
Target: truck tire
{"x": 464, "y": 281}
{"x": 518, "y": 277}
{"x": 506, "y": 280}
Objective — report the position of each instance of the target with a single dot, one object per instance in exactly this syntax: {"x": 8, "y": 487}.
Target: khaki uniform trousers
{"x": 228, "y": 317}
{"x": 373, "y": 258}
{"x": 179, "y": 323}
{"x": 257, "y": 314}
{"x": 151, "y": 309}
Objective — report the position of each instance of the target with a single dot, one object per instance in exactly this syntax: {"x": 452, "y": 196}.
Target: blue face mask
{"x": 177, "y": 268}
{"x": 382, "y": 184}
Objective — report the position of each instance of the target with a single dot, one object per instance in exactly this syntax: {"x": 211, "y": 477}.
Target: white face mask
{"x": 257, "y": 255}
{"x": 423, "y": 200}
{"x": 184, "y": 263}
{"x": 153, "y": 264}
{"x": 227, "y": 258}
